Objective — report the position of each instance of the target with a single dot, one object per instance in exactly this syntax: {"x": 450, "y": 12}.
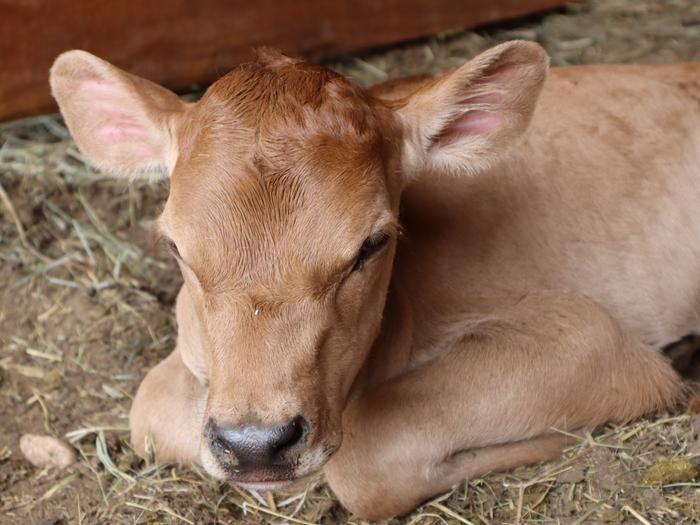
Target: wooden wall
{"x": 184, "y": 43}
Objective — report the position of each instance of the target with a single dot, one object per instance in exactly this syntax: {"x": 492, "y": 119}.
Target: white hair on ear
{"x": 122, "y": 123}
{"x": 464, "y": 121}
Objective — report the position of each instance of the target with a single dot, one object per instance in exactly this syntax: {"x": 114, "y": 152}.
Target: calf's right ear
{"x": 122, "y": 123}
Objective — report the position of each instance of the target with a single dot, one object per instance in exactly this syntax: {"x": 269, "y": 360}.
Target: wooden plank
{"x": 183, "y": 43}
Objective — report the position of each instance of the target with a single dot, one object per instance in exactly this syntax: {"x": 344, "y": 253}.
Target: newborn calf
{"x": 412, "y": 284}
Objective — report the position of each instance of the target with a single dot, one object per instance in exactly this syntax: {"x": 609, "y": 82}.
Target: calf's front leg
{"x": 494, "y": 401}
{"x": 169, "y": 407}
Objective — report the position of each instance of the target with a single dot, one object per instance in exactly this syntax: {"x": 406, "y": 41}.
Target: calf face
{"x": 283, "y": 217}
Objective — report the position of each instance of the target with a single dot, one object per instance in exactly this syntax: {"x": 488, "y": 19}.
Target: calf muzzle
{"x": 255, "y": 452}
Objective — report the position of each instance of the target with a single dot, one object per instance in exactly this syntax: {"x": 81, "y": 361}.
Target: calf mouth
{"x": 264, "y": 486}
{"x": 279, "y": 476}
{"x": 273, "y": 477}
{"x": 262, "y": 483}
{"x": 268, "y": 476}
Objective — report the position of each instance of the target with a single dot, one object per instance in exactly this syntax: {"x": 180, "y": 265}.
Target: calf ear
{"x": 462, "y": 121}
{"x": 122, "y": 123}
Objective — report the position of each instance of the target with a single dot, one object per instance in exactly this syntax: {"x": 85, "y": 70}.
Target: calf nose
{"x": 256, "y": 446}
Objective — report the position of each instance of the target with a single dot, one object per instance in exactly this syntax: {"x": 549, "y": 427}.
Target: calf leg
{"x": 492, "y": 401}
{"x": 169, "y": 407}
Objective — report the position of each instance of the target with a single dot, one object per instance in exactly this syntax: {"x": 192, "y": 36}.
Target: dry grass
{"x": 85, "y": 310}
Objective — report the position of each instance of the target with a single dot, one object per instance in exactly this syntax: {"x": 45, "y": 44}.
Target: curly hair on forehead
{"x": 276, "y": 90}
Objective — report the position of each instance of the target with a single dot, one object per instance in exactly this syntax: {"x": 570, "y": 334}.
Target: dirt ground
{"x": 86, "y": 309}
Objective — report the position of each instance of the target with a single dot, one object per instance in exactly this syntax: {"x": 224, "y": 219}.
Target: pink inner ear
{"x": 116, "y": 125}
{"x": 474, "y": 122}
{"x": 482, "y": 114}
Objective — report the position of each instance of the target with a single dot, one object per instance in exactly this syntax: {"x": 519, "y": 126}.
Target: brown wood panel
{"x": 182, "y": 43}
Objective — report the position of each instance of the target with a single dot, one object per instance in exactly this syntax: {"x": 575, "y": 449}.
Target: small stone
{"x": 47, "y": 451}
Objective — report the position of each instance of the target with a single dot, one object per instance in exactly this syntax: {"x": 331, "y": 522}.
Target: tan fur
{"x": 543, "y": 247}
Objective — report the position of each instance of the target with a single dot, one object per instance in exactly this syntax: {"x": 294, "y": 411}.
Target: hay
{"x": 85, "y": 310}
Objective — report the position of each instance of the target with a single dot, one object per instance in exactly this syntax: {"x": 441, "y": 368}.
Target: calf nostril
{"x": 223, "y": 446}
{"x": 292, "y": 433}
{"x": 220, "y": 446}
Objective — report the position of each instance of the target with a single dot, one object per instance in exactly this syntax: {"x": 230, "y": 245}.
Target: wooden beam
{"x": 188, "y": 43}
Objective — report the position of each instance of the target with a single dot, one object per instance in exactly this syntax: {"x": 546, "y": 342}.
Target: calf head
{"x": 283, "y": 217}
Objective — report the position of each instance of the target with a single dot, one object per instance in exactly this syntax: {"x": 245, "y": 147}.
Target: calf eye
{"x": 372, "y": 245}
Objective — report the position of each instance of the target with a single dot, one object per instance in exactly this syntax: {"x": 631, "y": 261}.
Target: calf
{"x": 413, "y": 284}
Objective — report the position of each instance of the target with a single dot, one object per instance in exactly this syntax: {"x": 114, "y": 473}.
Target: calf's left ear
{"x": 122, "y": 123}
{"x": 464, "y": 120}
